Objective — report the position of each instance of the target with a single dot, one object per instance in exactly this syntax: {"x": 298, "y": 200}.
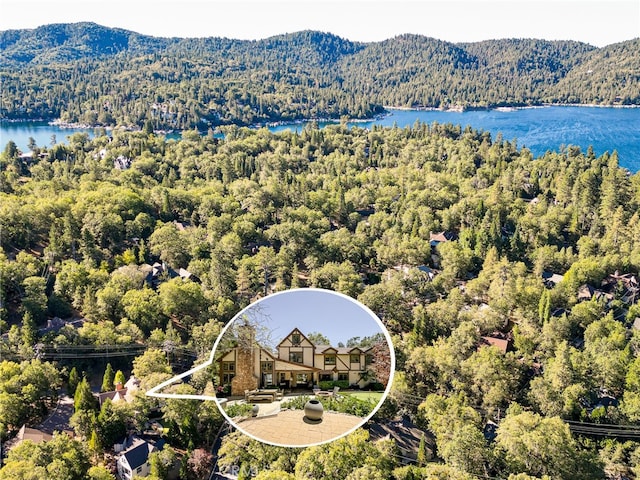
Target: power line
{"x": 580, "y": 428}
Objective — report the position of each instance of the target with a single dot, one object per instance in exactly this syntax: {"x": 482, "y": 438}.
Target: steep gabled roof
{"x": 138, "y": 453}
{"x": 33, "y": 434}
{"x": 585, "y": 292}
{"x": 295, "y": 330}
{"x": 326, "y": 349}
{"x": 500, "y": 343}
{"x": 436, "y": 238}
{"x": 114, "y": 395}
{"x": 552, "y": 278}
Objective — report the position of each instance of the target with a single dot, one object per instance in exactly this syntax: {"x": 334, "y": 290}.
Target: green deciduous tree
{"x": 342, "y": 456}
{"x": 543, "y": 446}
{"x": 182, "y": 417}
{"x": 35, "y": 298}
{"x": 111, "y": 424}
{"x": 183, "y": 300}
{"x": 143, "y": 308}
{"x": 340, "y": 277}
{"x": 61, "y": 458}
{"x": 151, "y": 361}
{"x": 170, "y": 245}
{"x": 99, "y": 473}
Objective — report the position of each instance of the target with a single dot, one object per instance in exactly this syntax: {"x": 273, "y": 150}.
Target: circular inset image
{"x": 302, "y": 367}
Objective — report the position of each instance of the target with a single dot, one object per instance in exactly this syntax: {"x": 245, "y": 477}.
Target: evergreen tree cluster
{"x": 447, "y": 234}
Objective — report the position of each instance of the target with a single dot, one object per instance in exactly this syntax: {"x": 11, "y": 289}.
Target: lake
{"x": 538, "y": 129}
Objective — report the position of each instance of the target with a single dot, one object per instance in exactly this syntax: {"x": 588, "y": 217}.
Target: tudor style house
{"x": 296, "y": 362}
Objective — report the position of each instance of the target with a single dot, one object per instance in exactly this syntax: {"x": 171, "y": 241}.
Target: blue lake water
{"x": 538, "y": 129}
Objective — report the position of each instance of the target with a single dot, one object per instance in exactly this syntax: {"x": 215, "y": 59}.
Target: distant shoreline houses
{"x": 297, "y": 363}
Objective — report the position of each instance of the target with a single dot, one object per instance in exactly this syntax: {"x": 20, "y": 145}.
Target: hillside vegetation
{"x": 355, "y": 211}
{"x": 102, "y": 76}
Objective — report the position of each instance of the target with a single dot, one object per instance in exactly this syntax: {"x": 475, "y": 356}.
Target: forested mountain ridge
{"x": 65, "y": 42}
{"x": 85, "y": 73}
{"x": 617, "y": 64}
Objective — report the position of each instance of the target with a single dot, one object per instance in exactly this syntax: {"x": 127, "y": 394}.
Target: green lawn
{"x": 375, "y": 396}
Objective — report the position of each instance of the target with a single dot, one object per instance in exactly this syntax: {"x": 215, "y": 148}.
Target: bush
{"x": 330, "y": 384}
{"x": 342, "y": 404}
{"x": 375, "y": 387}
{"x": 239, "y": 410}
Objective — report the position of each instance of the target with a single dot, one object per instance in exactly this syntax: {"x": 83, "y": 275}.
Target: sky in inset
{"x": 599, "y": 23}
{"x": 313, "y": 310}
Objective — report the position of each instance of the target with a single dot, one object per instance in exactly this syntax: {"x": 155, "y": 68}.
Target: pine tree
{"x": 28, "y": 331}
{"x": 295, "y": 281}
{"x": 94, "y": 443}
{"x": 544, "y": 307}
{"x": 142, "y": 252}
{"x": 422, "y": 458}
{"x": 83, "y": 398}
{"x": 107, "y": 379}
{"x": 72, "y": 383}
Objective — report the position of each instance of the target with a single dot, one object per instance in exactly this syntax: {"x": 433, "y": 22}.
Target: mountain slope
{"x": 616, "y": 65}
{"x": 104, "y": 76}
{"x": 66, "y": 42}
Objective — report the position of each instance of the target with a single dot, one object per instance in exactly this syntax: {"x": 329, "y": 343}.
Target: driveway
{"x": 59, "y": 418}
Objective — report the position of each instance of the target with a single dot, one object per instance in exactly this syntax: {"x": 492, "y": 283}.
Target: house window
{"x": 368, "y": 359}
{"x": 227, "y": 377}
{"x": 329, "y": 359}
{"x": 295, "y": 339}
{"x": 228, "y": 366}
{"x": 267, "y": 366}
{"x": 139, "y": 469}
{"x": 343, "y": 377}
{"x": 326, "y": 377}
{"x": 295, "y": 357}
{"x": 355, "y": 358}
{"x": 301, "y": 378}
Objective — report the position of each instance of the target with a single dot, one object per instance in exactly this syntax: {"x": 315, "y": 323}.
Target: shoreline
{"x": 388, "y": 109}
{"x": 504, "y": 108}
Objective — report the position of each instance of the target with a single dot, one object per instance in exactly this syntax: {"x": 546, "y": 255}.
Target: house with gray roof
{"x": 133, "y": 460}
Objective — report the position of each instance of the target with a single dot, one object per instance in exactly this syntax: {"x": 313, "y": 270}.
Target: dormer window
{"x": 295, "y": 339}
{"x": 330, "y": 359}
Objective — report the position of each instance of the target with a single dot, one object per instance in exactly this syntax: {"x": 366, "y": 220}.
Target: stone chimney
{"x": 244, "y": 378}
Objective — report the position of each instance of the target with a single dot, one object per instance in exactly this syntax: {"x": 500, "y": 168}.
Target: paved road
{"x": 59, "y": 419}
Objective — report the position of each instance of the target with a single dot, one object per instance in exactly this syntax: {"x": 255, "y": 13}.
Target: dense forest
{"x": 543, "y": 254}
{"x": 86, "y": 73}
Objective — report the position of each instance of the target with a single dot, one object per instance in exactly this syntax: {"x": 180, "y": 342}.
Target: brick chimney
{"x": 245, "y": 378}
